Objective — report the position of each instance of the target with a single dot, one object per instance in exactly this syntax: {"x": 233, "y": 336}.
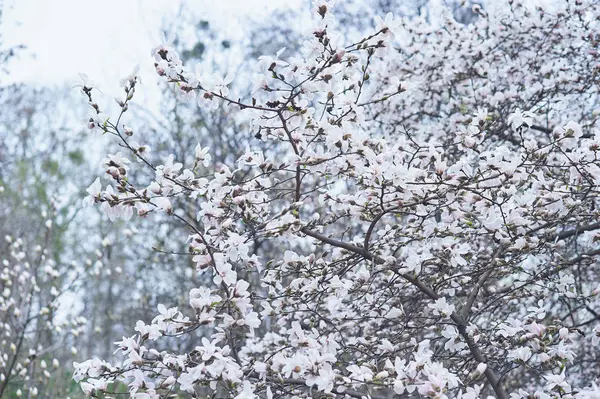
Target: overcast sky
{"x": 106, "y": 38}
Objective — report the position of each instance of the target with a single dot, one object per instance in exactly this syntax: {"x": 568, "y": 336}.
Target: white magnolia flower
{"x": 519, "y": 118}
{"x": 442, "y": 307}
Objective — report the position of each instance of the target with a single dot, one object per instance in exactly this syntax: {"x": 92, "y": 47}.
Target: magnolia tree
{"x": 39, "y": 323}
{"x": 24, "y": 309}
{"x": 33, "y": 333}
{"x": 432, "y": 192}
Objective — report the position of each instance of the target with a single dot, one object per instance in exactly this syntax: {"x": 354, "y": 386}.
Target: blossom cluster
{"x": 432, "y": 212}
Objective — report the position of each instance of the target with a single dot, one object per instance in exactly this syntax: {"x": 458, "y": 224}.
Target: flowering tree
{"x": 35, "y": 332}
{"x": 38, "y": 313}
{"x": 28, "y": 302}
{"x": 432, "y": 193}
{"x": 128, "y": 268}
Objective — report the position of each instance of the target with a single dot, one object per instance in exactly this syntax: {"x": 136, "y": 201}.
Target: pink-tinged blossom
{"x": 94, "y": 192}
{"x": 202, "y": 155}
{"x": 163, "y": 204}
{"x": 554, "y": 381}
{"x": 202, "y": 297}
{"x": 323, "y": 380}
{"x": 148, "y": 331}
{"x": 246, "y": 391}
{"x": 520, "y": 118}
{"x": 442, "y": 307}
{"x": 596, "y": 335}
{"x": 387, "y": 26}
{"x": 268, "y": 62}
{"x": 360, "y": 373}
{"x": 522, "y": 354}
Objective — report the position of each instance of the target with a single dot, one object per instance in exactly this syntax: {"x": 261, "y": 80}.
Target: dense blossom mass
{"x": 430, "y": 197}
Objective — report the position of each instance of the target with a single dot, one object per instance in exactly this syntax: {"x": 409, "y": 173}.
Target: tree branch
{"x": 458, "y": 320}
